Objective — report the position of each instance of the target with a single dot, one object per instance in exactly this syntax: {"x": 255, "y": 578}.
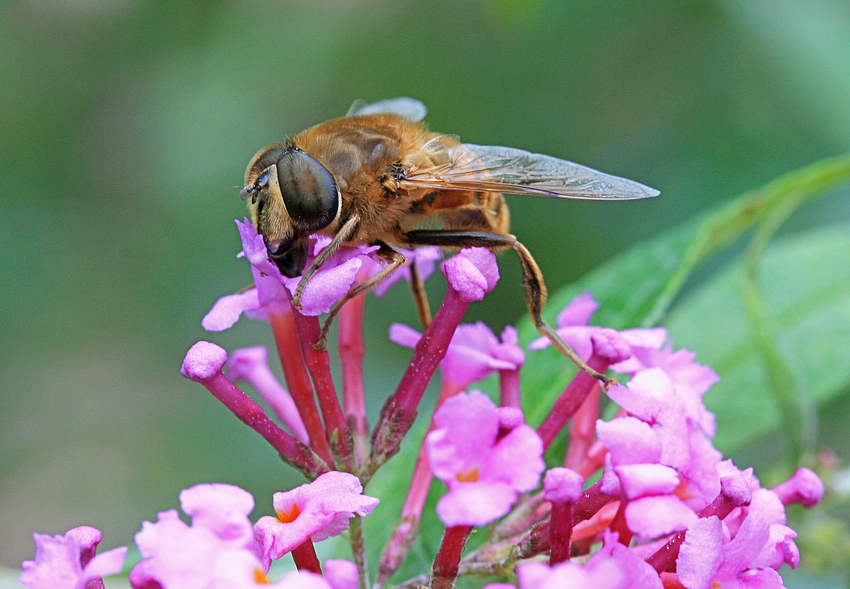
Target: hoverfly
{"x": 378, "y": 176}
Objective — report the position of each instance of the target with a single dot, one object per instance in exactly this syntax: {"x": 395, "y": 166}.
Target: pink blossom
{"x": 425, "y": 259}
{"x": 328, "y": 285}
{"x": 780, "y": 547}
{"x": 573, "y": 328}
{"x": 484, "y": 473}
{"x": 562, "y": 485}
{"x": 333, "y": 279}
{"x": 473, "y": 354}
{"x": 613, "y": 567}
{"x": 216, "y": 550}
{"x": 341, "y": 574}
{"x": 472, "y": 273}
{"x": 805, "y": 488}
{"x": 69, "y": 561}
{"x": 203, "y": 361}
{"x": 712, "y": 556}
{"x": 655, "y": 516}
{"x": 314, "y": 511}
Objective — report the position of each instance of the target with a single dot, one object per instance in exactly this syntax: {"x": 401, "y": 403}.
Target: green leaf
{"x": 805, "y": 279}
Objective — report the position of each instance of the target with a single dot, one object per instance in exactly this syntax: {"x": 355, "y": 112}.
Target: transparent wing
{"x": 514, "y": 171}
{"x": 408, "y": 107}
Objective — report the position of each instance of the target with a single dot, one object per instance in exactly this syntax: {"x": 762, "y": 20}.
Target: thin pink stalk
{"x": 319, "y": 366}
{"x": 447, "y": 562}
{"x": 591, "y": 501}
{"x": 560, "y": 532}
{"x": 400, "y": 409}
{"x": 305, "y": 558}
{"x": 509, "y": 388}
{"x": 608, "y": 349}
{"x": 298, "y": 380}
{"x": 569, "y": 402}
{"x": 203, "y": 364}
{"x": 619, "y": 524}
{"x": 470, "y": 275}
{"x": 583, "y": 434}
{"x": 734, "y": 492}
{"x": 351, "y": 358}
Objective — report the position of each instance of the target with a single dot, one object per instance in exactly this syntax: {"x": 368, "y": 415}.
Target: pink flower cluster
{"x": 220, "y": 548}
{"x": 639, "y": 500}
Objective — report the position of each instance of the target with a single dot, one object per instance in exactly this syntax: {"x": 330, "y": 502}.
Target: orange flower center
{"x": 260, "y": 577}
{"x": 470, "y": 476}
{"x": 290, "y": 517}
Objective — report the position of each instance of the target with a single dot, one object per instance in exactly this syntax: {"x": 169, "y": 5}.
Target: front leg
{"x": 394, "y": 260}
{"x": 535, "y": 289}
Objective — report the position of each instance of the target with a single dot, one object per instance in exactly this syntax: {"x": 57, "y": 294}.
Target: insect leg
{"x": 535, "y": 289}
{"x": 342, "y": 236}
{"x": 420, "y": 297}
{"x": 393, "y": 258}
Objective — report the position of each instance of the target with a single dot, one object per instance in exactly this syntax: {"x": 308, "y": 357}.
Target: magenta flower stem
{"x": 734, "y": 492}
{"x": 400, "y": 409}
{"x": 251, "y": 414}
{"x": 560, "y": 532}
{"x": 583, "y": 436}
{"x": 569, "y": 402}
{"x": 619, "y": 524}
{"x": 509, "y": 389}
{"x": 298, "y": 380}
{"x": 447, "y": 561}
{"x": 591, "y": 501}
{"x": 319, "y": 366}
{"x": 305, "y": 558}
{"x": 351, "y": 351}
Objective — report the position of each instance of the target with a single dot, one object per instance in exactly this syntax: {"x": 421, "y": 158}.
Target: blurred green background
{"x": 125, "y": 125}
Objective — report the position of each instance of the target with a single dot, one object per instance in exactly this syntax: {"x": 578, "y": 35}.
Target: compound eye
{"x": 309, "y": 191}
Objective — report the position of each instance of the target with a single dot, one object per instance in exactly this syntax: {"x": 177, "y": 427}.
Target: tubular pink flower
{"x": 266, "y": 294}
{"x": 314, "y": 511}
{"x": 341, "y": 574}
{"x": 69, "y": 561}
{"x": 473, "y": 354}
{"x": 251, "y": 365}
{"x": 562, "y": 488}
{"x": 780, "y": 548}
{"x": 425, "y": 259}
{"x": 483, "y": 473}
{"x": 805, "y": 488}
{"x": 606, "y": 348}
{"x": 328, "y": 285}
{"x": 711, "y": 556}
{"x": 613, "y": 567}
{"x": 203, "y": 364}
{"x": 656, "y": 516}
{"x": 470, "y": 275}
{"x": 217, "y": 550}
{"x": 573, "y": 328}
{"x": 333, "y": 280}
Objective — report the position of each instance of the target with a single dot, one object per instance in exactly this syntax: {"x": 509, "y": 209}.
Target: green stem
{"x": 358, "y": 551}
{"x": 796, "y": 406}
{"x": 744, "y": 212}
